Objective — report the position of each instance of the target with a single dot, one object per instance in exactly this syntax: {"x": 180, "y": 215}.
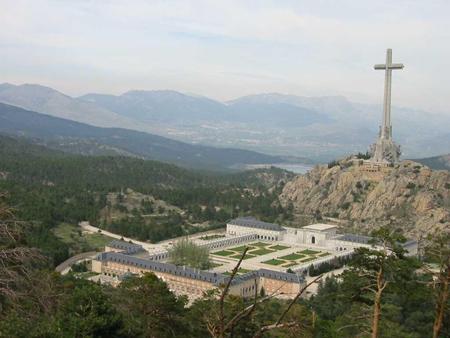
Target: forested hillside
{"x": 79, "y": 138}
{"x": 409, "y": 298}
{"x": 147, "y": 200}
{"x": 51, "y": 191}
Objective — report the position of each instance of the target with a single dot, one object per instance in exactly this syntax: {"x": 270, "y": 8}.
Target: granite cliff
{"x": 409, "y": 195}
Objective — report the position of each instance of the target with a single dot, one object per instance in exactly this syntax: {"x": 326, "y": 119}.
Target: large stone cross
{"x": 386, "y": 128}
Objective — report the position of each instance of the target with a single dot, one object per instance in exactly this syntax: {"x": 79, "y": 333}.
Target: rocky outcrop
{"x": 409, "y": 195}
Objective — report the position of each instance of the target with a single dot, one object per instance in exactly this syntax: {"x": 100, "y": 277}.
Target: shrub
{"x": 363, "y": 156}
{"x": 79, "y": 267}
{"x": 332, "y": 164}
{"x": 410, "y": 185}
{"x": 345, "y": 205}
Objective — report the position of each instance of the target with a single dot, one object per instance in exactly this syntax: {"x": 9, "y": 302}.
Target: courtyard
{"x": 271, "y": 255}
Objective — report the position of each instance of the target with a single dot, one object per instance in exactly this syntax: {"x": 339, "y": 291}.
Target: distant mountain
{"x": 161, "y": 106}
{"x": 441, "y": 162}
{"x": 81, "y": 138}
{"x": 327, "y": 104}
{"x": 49, "y": 101}
{"x": 320, "y": 128}
{"x": 172, "y": 107}
{"x": 277, "y": 114}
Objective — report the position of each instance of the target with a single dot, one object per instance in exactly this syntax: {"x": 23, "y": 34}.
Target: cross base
{"x": 385, "y": 151}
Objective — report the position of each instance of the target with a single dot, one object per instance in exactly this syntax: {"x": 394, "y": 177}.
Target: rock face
{"x": 410, "y": 196}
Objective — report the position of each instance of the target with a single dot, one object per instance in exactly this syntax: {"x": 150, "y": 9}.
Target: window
{"x": 313, "y": 240}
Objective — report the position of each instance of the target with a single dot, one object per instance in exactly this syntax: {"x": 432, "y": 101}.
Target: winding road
{"x": 64, "y": 267}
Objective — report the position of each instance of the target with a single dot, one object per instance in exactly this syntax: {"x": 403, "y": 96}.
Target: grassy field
{"x": 241, "y": 271}
{"x": 85, "y": 275}
{"x": 238, "y": 256}
{"x": 309, "y": 252}
{"x": 213, "y": 265}
{"x": 240, "y": 248}
{"x": 307, "y": 259}
{"x": 78, "y": 241}
{"x": 262, "y": 251}
{"x": 292, "y": 257}
{"x": 223, "y": 253}
{"x": 324, "y": 254}
{"x": 274, "y": 262}
{"x": 279, "y": 247}
{"x": 259, "y": 244}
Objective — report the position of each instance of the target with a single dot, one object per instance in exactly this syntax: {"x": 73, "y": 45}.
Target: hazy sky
{"x": 225, "y": 49}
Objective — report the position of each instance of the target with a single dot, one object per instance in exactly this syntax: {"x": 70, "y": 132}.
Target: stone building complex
{"x": 273, "y": 264}
{"x": 194, "y": 283}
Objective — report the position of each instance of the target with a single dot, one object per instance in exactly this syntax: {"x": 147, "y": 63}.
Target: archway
{"x": 313, "y": 240}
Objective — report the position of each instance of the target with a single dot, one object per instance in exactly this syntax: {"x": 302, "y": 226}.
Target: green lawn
{"x": 240, "y": 271}
{"x": 279, "y": 247}
{"x": 224, "y": 253}
{"x": 260, "y": 252}
{"x": 260, "y": 244}
{"x": 292, "y": 257}
{"x": 238, "y": 256}
{"x": 307, "y": 259}
{"x": 309, "y": 252}
{"x": 324, "y": 254}
{"x": 80, "y": 242}
{"x": 213, "y": 265}
{"x": 85, "y": 275}
{"x": 274, "y": 262}
{"x": 241, "y": 248}
{"x": 289, "y": 265}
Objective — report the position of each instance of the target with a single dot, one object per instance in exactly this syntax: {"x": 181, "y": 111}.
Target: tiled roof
{"x": 187, "y": 272}
{"x": 283, "y": 276}
{"x": 320, "y": 227}
{"x": 126, "y": 246}
{"x": 254, "y": 223}
{"x": 211, "y": 277}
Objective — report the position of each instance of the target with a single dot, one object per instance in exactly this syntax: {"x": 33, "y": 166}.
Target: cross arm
{"x": 396, "y": 66}
{"x": 391, "y": 66}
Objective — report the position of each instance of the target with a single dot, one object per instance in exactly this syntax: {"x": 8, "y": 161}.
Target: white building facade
{"x": 318, "y": 235}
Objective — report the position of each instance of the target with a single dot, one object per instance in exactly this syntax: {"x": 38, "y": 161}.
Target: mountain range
{"x": 80, "y": 138}
{"x": 441, "y": 162}
{"x": 319, "y": 128}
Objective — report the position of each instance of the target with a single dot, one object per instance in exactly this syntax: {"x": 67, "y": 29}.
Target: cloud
{"x": 296, "y": 46}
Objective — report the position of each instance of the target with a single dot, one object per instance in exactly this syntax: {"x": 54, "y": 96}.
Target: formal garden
{"x": 297, "y": 258}
{"x": 260, "y": 249}
{"x": 255, "y": 249}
